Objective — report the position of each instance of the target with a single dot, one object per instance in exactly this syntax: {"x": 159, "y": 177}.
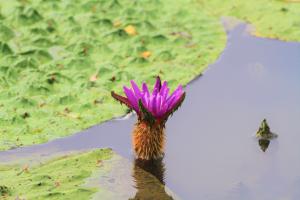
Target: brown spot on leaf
{"x": 113, "y": 79}
{"x": 42, "y": 104}
{"x": 52, "y": 79}
{"x": 57, "y": 183}
{"x": 25, "y": 115}
{"x": 99, "y": 163}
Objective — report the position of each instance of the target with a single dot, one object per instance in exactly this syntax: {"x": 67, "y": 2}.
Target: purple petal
{"x": 174, "y": 102}
{"x": 150, "y": 104}
{"x": 145, "y": 101}
{"x": 136, "y": 89}
{"x": 154, "y": 105}
{"x": 157, "y": 85}
{"x": 158, "y": 104}
{"x": 178, "y": 91}
{"x": 146, "y": 90}
{"x": 131, "y": 97}
{"x": 165, "y": 94}
{"x": 155, "y": 92}
{"x": 170, "y": 101}
{"x": 163, "y": 110}
{"x": 163, "y": 87}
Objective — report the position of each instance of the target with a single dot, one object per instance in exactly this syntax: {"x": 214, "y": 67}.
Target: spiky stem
{"x": 148, "y": 140}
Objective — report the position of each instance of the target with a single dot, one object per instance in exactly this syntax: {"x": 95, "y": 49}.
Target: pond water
{"x": 211, "y": 151}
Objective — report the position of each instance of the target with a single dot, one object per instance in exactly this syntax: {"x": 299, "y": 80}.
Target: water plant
{"x": 153, "y": 110}
{"x": 264, "y": 131}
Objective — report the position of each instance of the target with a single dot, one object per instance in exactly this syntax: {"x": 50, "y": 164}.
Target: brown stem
{"x": 148, "y": 140}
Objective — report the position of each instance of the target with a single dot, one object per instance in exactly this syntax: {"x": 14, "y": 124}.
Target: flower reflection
{"x": 150, "y": 185}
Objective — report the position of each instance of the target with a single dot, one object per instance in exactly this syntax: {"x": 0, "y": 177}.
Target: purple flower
{"x": 159, "y": 104}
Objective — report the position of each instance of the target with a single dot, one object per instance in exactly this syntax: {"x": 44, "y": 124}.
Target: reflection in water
{"x": 147, "y": 186}
{"x": 154, "y": 167}
{"x": 264, "y": 144}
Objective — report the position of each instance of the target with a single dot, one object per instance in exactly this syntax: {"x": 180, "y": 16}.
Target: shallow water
{"x": 211, "y": 151}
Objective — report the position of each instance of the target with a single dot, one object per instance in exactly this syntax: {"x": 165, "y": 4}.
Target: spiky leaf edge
{"x": 122, "y": 100}
{"x": 177, "y": 105}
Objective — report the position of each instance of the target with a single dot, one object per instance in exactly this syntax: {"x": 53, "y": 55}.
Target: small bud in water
{"x": 264, "y": 131}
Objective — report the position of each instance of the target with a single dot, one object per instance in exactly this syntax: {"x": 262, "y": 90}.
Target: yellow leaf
{"x": 146, "y": 54}
{"x": 130, "y": 30}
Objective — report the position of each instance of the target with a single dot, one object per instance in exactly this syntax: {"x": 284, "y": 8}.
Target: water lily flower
{"x": 158, "y": 104}
{"x": 153, "y": 109}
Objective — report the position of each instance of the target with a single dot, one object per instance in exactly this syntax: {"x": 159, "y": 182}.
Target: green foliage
{"x": 278, "y": 19}
{"x": 61, "y": 178}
